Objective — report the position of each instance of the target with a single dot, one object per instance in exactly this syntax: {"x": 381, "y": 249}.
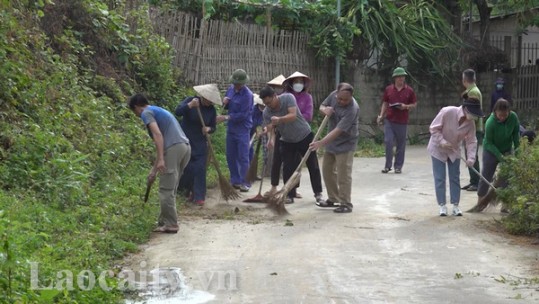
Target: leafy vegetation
{"x": 522, "y": 194}
{"x": 73, "y": 158}
{"x": 386, "y": 31}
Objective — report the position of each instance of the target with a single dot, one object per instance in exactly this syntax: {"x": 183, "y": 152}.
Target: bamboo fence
{"x": 208, "y": 51}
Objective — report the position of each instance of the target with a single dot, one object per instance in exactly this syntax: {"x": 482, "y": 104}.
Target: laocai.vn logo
{"x": 166, "y": 280}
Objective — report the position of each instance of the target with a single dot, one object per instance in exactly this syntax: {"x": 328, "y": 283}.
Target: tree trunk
{"x": 453, "y": 14}
{"x": 484, "y": 19}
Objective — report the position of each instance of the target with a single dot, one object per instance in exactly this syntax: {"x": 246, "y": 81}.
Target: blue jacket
{"x": 240, "y": 109}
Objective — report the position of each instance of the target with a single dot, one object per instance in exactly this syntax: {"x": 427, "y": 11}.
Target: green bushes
{"x": 73, "y": 158}
{"x": 522, "y": 194}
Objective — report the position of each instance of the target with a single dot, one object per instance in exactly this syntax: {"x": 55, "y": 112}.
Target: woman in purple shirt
{"x": 298, "y": 84}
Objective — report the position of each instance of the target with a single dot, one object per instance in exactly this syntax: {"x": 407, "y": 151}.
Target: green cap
{"x": 399, "y": 72}
{"x": 239, "y": 77}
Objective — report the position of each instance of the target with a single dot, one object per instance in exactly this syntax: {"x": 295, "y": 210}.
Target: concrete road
{"x": 393, "y": 248}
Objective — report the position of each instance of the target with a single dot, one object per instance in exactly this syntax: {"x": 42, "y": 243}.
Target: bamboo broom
{"x": 488, "y": 199}
{"x": 227, "y": 191}
{"x": 276, "y": 202}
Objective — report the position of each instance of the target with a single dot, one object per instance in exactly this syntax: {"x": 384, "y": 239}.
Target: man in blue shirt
{"x": 173, "y": 153}
{"x": 239, "y": 103}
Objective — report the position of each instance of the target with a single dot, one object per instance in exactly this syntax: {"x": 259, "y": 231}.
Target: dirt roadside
{"x": 393, "y": 248}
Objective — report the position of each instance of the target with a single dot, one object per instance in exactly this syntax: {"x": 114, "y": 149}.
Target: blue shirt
{"x": 257, "y": 118}
{"x": 167, "y": 123}
{"x": 240, "y": 109}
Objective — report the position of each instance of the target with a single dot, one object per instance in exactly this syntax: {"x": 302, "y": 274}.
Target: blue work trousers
{"x": 237, "y": 157}
{"x": 194, "y": 177}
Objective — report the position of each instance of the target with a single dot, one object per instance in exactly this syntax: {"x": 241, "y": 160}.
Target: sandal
{"x": 166, "y": 229}
{"x": 327, "y": 204}
{"x": 385, "y": 170}
{"x": 343, "y": 209}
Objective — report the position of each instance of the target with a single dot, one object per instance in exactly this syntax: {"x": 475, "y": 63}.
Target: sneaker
{"x": 456, "y": 211}
{"x": 398, "y": 171}
{"x": 319, "y": 198}
{"x": 385, "y": 170}
{"x": 443, "y": 210}
{"x": 472, "y": 188}
{"x": 327, "y": 204}
{"x": 244, "y": 188}
{"x": 289, "y": 200}
{"x": 199, "y": 203}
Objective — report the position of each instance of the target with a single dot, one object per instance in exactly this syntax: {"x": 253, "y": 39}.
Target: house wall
{"x": 508, "y": 26}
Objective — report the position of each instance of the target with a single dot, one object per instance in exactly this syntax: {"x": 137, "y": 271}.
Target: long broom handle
{"x": 304, "y": 159}
{"x": 480, "y": 175}
{"x": 212, "y": 156}
{"x": 483, "y": 178}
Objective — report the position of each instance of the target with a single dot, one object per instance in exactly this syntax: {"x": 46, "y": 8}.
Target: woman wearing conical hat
{"x": 193, "y": 181}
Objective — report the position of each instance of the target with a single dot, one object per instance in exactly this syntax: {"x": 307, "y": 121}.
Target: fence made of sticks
{"x": 208, "y": 51}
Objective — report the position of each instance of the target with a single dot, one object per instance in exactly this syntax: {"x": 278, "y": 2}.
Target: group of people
{"x": 452, "y": 127}
{"x": 282, "y": 111}
{"x": 280, "y": 116}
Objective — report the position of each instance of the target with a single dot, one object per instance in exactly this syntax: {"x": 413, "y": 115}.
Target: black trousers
{"x": 289, "y": 152}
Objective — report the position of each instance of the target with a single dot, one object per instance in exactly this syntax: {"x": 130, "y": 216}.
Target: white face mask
{"x": 298, "y": 87}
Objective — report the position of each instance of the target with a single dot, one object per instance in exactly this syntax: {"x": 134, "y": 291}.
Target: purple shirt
{"x": 304, "y": 101}
{"x": 445, "y": 128}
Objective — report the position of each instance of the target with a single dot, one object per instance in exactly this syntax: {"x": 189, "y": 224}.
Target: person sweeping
{"x": 173, "y": 153}
{"x": 282, "y": 114}
{"x": 448, "y": 130}
{"x": 340, "y": 144}
{"x": 502, "y": 137}
{"x": 193, "y": 181}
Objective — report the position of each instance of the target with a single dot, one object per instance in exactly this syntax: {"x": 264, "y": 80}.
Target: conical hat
{"x": 296, "y": 75}
{"x": 277, "y": 80}
{"x": 209, "y": 92}
{"x": 258, "y": 100}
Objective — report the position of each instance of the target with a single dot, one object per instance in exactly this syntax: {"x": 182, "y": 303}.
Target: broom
{"x": 253, "y": 166}
{"x": 259, "y": 198}
{"x": 489, "y": 198}
{"x": 276, "y": 202}
{"x": 227, "y": 191}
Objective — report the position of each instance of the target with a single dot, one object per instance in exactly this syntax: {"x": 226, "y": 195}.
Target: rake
{"x": 276, "y": 202}
{"x": 227, "y": 191}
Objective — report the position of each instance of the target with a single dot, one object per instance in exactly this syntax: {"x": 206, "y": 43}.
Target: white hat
{"x": 278, "y": 81}
{"x": 257, "y": 99}
{"x": 296, "y": 75}
{"x": 209, "y": 92}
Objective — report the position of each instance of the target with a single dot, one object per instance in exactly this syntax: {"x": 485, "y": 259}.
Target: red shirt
{"x": 405, "y": 96}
